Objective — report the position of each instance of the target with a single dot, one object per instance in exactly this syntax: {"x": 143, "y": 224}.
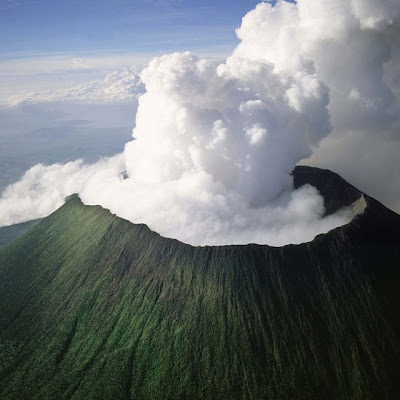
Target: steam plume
{"x": 215, "y": 144}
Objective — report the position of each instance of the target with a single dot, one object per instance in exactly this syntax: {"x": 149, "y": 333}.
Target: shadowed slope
{"x": 9, "y": 233}
{"x": 92, "y": 306}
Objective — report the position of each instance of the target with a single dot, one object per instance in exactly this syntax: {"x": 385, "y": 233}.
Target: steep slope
{"x": 94, "y": 307}
{"x": 9, "y": 233}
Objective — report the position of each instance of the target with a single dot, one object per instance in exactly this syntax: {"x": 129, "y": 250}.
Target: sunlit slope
{"x": 94, "y": 307}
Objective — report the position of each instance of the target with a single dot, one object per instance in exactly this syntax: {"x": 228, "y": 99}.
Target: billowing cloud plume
{"x": 44, "y": 188}
{"x": 240, "y": 122}
{"x": 215, "y": 144}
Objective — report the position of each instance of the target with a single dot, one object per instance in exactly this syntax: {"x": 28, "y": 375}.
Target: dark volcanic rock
{"x": 337, "y": 193}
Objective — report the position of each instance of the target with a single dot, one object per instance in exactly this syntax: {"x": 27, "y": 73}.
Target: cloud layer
{"x": 215, "y": 144}
{"x": 117, "y": 87}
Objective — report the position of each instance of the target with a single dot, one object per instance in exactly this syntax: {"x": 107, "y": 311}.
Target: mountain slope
{"x": 94, "y": 307}
{"x": 9, "y": 233}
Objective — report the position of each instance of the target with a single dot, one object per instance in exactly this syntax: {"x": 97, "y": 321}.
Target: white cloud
{"x": 215, "y": 144}
{"x": 39, "y": 64}
{"x": 43, "y": 189}
{"x": 29, "y": 75}
{"x": 117, "y": 87}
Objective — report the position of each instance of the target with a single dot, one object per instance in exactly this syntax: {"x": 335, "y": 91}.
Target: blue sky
{"x": 49, "y": 26}
{"x": 51, "y": 45}
{"x": 54, "y": 44}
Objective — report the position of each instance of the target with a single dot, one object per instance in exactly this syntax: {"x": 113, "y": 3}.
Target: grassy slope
{"x": 94, "y": 307}
{"x": 9, "y": 233}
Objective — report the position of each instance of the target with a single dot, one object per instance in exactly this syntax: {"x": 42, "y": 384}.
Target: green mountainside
{"x": 9, "y": 233}
{"x": 95, "y": 307}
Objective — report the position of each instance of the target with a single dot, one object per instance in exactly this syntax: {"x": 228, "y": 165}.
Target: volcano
{"x": 95, "y": 307}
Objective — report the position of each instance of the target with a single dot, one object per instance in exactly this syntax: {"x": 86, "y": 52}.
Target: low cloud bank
{"x": 194, "y": 209}
{"x": 215, "y": 144}
{"x": 43, "y": 189}
{"x": 120, "y": 86}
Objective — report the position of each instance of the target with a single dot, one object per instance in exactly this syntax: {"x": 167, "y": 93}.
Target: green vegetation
{"x": 9, "y": 233}
{"x": 94, "y": 307}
